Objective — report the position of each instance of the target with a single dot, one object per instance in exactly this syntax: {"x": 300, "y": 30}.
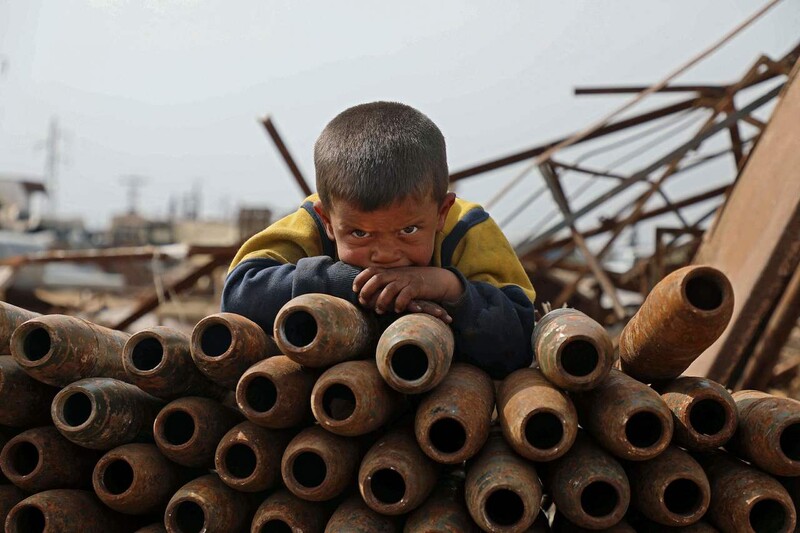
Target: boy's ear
{"x": 444, "y": 208}
{"x": 326, "y": 219}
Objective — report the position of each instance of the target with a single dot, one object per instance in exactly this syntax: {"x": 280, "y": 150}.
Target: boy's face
{"x": 402, "y": 234}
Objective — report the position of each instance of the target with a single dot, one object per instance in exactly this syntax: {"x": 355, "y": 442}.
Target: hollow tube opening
{"x": 704, "y": 292}
{"x": 275, "y": 526}
{"x": 599, "y": 499}
{"x": 544, "y": 431}
{"x": 447, "y": 435}
{"x": 300, "y": 328}
{"x": 707, "y": 417}
{"x": 215, "y": 340}
{"x": 768, "y": 516}
{"x": 147, "y": 354}
{"x": 36, "y": 345}
{"x": 189, "y": 517}
{"x": 118, "y": 476}
{"x": 643, "y": 429}
{"x": 29, "y": 519}
{"x": 790, "y": 441}
{"x": 388, "y": 486}
{"x": 179, "y": 427}
{"x": 683, "y": 497}
{"x": 409, "y": 362}
{"x": 338, "y": 402}
{"x": 261, "y": 394}
{"x": 240, "y": 461}
{"x": 23, "y": 458}
{"x": 77, "y": 409}
{"x": 579, "y": 358}
{"x": 504, "y": 507}
{"x": 309, "y": 470}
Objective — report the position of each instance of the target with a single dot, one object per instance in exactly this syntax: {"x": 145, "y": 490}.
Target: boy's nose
{"x": 384, "y": 256}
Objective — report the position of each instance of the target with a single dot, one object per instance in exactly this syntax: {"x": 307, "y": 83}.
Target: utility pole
{"x": 133, "y": 182}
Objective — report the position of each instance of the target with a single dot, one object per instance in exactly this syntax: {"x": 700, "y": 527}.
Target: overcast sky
{"x": 172, "y": 89}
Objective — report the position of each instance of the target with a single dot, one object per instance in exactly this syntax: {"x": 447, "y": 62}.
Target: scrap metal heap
{"x": 338, "y": 424}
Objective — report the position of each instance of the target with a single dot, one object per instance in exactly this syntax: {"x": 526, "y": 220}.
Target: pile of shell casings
{"x": 335, "y": 425}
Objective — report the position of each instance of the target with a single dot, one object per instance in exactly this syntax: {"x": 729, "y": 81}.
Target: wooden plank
{"x": 755, "y": 239}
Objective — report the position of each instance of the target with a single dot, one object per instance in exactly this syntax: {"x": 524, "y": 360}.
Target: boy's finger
{"x": 362, "y": 277}
{"x": 372, "y": 286}
{"x": 387, "y": 297}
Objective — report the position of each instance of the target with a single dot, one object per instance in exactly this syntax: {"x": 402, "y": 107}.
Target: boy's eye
{"x": 409, "y": 230}
{"x": 359, "y": 233}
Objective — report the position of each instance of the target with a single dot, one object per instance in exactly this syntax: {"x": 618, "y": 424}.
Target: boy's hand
{"x": 395, "y": 288}
{"x": 430, "y": 308}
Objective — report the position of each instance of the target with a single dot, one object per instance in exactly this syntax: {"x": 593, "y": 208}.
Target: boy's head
{"x": 382, "y": 180}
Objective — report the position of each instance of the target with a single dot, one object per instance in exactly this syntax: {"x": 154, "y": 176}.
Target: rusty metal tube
{"x": 538, "y": 420}
{"x": 744, "y": 499}
{"x": 158, "y": 360}
{"x": 274, "y": 393}
{"x": 563, "y": 525}
{"x": 588, "y": 486}
{"x": 40, "y": 459}
{"x": 103, "y": 413}
{"x": 573, "y": 351}
{"x": 502, "y": 490}
{"x": 444, "y": 511}
{"x": 703, "y": 412}
{"x": 224, "y": 345}
{"x": 61, "y": 510}
{"x": 283, "y": 512}
{"x": 248, "y": 458}
{"x": 24, "y": 401}
{"x": 652, "y": 527}
{"x": 318, "y": 465}
{"x": 11, "y": 317}
{"x": 452, "y": 421}
{"x": 395, "y": 477}
{"x": 188, "y": 430}
{"x": 60, "y": 349}
{"x": 353, "y": 516}
{"x": 769, "y": 432}
{"x": 671, "y": 489}
{"x": 682, "y": 316}
{"x": 136, "y": 479}
{"x": 153, "y": 528}
{"x": 626, "y": 417}
{"x": 319, "y": 330}
{"x": 352, "y": 399}
{"x": 10, "y": 495}
{"x": 207, "y": 504}
{"x": 414, "y": 353}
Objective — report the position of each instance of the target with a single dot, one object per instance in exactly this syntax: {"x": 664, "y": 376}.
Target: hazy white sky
{"x": 172, "y": 89}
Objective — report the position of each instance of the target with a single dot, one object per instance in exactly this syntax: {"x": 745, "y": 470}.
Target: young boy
{"x": 384, "y": 233}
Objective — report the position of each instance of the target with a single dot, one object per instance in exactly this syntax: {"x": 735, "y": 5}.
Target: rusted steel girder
{"x": 248, "y": 458}
{"x": 103, "y": 413}
{"x": 137, "y": 479}
{"x": 452, "y": 421}
{"x": 353, "y": 516}
{"x": 538, "y": 420}
{"x": 285, "y": 512}
{"x": 352, "y": 399}
{"x": 207, "y": 504}
{"x": 274, "y": 393}
{"x": 626, "y": 417}
{"x": 572, "y": 350}
{"x": 681, "y": 317}
{"x": 62, "y": 510}
{"x": 224, "y": 345}
{"x": 444, "y": 511}
{"x": 502, "y": 490}
{"x": 41, "y": 459}
{"x": 60, "y": 349}
{"x": 769, "y": 432}
{"x": 188, "y": 430}
{"x": 11, "y": 317}
{"x": 318, "y": 465}
{"x": 158, "y": 360}
{"x": 414, "y": 353}
{"x": 703, "y": 412}
{"x": 24, "y": 401}
{"x": 319, "y": 330}
{"x": 395, "y": 477}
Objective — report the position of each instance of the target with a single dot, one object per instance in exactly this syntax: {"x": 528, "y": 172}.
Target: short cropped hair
{"x": 373, "y": 155}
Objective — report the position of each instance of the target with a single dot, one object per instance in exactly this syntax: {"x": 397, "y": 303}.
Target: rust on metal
{"x": 353, "y": 516}
{"x": 745, "y": 499}
{"x": 352, "y": 399}
{"x": 224, "y": 345}
{"x": 395, "y": 477}
{"x": 572, "y": 350}
{"x": 274, "y": 393}
{"x": 40, "y": 459}
{"x": 136, "y": 479}
{"x": 61, "y": 510}
{"x": 703, "y": 412}
{"x": 11, "y": 317}
{"x": 187, "y": 430}
{"x": 444, "y": 511}
{"x": 25, "y": 401}
{"x": 769, "y": 432}
{"x": 320, "y": 330}
{"x": 207, "y": 504}
{"x": 153, "y": 528}
{"x": 158, "y": 360}
{"x": 414, "y": 353}
{"x": 285, "y": 512}
{"x": 452, "y": 421}
{"x": 103, "y": 413}
{"x": 682, "y": 316}
{"x": 671, "y": 489}
{"x": 248, "y": 457}
{"x": 502, "y": 490}
{"x": 588, "y": 486}
{"x": 10, "y": 495}
{"x": 60, "y": 349}
{"x": 626, "y": 417}
{"x": 318, "y": 465}
{"x": 538, "y": 420}
{"x": 563, "y": 525}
